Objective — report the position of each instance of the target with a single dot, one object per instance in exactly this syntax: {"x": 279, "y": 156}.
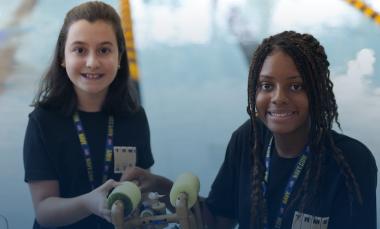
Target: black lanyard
{"x": 291, "y": 182}
{"x": 86, "y": 148}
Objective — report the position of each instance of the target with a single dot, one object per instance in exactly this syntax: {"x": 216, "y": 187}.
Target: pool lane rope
{"x": 126, "y": 19}
{"x": 365, "y": 9}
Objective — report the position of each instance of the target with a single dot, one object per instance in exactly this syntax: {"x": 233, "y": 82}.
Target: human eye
{"x": 104, "y": 50}
{"x": 79, "y": 50}
{"x": 296, "y": 87}
{"x": 265, "y": 86}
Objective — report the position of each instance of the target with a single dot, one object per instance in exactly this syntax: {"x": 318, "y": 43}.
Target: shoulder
{"x": 242, "y": 140}
{"x": 139, "y": 113}
{"x": 48, "y": 121}
{"x": 44, "y": 115}
{"x": 46, "y": 128}
{"x": 355, "y": 152}
{"x": 245, "y": 131}
{"x": 136, "y": 122}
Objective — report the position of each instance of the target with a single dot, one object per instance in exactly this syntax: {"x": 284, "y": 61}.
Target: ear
{"x": 63, "y": 64}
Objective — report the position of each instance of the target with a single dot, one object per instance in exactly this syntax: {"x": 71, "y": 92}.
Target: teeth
{"x": 280, "y": 114}
{"x": 92, "y": 76}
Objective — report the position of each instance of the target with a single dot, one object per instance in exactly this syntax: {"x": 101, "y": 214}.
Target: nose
{"x": 279, "y": 96}
{"x": 92, "y": 61}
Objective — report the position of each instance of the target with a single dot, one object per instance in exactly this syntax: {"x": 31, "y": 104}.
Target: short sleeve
{"x": 363, "y": 167}
{"x": 145, "y": 157}
{"x": 366, "y": 175}
{"x": 37, "y": 162}
{"x": 223, "y": 195}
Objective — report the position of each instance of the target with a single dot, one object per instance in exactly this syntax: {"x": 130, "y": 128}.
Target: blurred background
{"x": 193, "y": 58}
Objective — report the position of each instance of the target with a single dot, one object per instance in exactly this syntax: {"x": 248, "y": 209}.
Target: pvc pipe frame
{"x": 183, "y": 216}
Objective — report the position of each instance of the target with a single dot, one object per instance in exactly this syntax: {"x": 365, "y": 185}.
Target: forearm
{"x": 163, "y": 187}
{"x": 56, "y": 211}
{"x": 149, "y": 182}
{"x": 213, "y": 221}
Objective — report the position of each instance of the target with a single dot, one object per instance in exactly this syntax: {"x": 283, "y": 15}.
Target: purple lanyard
{"x": 291, "y": 182}
{"x": 86, "y": 149}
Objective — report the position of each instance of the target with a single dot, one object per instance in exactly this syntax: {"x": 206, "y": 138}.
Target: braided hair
{"x": 311, "y": 61}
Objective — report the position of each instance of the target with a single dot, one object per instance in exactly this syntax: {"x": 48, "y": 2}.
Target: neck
{"x": 90, "y": 103}
{"x": 290, "y": 146}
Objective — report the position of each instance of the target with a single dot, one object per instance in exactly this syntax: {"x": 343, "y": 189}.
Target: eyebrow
{"x": 83, "y": 43}
{"x": 271, "y": 77}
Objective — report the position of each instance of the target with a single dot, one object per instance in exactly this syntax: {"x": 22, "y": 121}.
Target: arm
{"x": 366, "y": 213}
{"x": 41, "y": 174}
{"x": 224, "y": 223}
{"x": 213, "y": 221}
{"x": 149, "y": 182}
{"x": 363, "y": 167}
{"x": 228, "y": 199}
{"x": 52, "y": 210}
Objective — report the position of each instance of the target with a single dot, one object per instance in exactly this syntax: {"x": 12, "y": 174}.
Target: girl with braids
{"x": 83, "y": 109}
{"x": 286, "y": 164}
{"x": 286, "y": 168}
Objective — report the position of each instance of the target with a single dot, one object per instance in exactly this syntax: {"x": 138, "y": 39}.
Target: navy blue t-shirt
{"x": 230, "y": 193}
{"x": 52, "y": 151}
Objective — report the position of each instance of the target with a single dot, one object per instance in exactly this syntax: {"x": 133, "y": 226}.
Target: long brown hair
{"x": 311, "y": 61}
{"x": 56, "y": 90}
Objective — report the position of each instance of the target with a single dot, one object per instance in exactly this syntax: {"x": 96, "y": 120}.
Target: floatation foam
{"x": 129, "y": 193}
{"x": 187, "y": 183}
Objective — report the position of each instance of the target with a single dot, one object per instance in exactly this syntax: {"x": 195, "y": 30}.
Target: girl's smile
{"x": 281, "y": 100}
{"x": 91, "y": 60}
{"x": 92, "y": 76}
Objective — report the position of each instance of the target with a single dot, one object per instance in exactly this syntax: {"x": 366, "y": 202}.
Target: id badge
{"x": 305, "y": 221}
{"x": 125, "y": 157}
{"x": 297, "y": 220}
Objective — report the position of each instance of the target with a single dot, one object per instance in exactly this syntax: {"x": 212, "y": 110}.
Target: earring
{"x": 252, "y": 111}
{"x": 118, "y": 67}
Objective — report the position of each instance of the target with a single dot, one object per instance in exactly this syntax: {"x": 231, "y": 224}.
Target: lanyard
{"x": 291, "y": 182}
{"x": 86, "y": 148}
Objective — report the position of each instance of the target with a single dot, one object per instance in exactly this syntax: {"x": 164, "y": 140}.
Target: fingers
{"x": 144, "y": 187}
{"x": 129, "y": 174}
{"x": 106, "y": 214}
{"x": 132, "y": 173}
{"x": 109, "y": 184}
{"x": 141, "y": 177}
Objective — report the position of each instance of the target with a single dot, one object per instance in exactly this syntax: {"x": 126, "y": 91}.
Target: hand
{"x": 96, "y": 201}
{"x": 145, "y": 180}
